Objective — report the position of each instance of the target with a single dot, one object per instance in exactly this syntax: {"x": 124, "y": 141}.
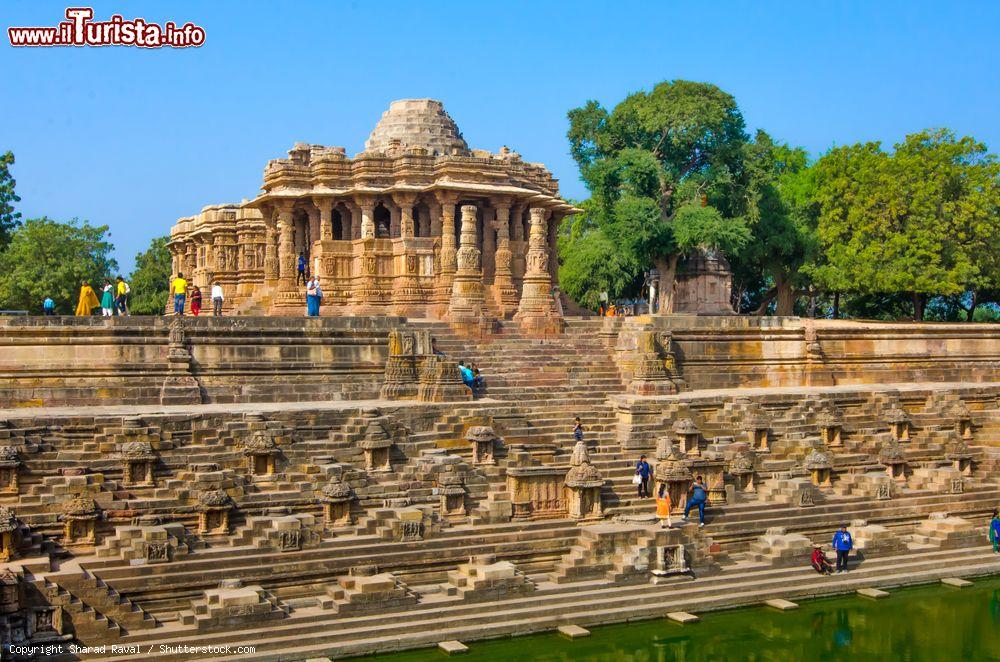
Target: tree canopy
{"x": 46, "y": 258}
{"x": 9, "y": 219}
{"x": 150, "y": 281}
{"x": 666, "y": 173}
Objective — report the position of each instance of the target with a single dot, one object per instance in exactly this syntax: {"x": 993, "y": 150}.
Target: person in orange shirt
{"x": 88, "y": 300}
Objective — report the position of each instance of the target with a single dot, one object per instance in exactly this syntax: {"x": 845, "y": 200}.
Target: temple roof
{"x": 417, "y": 123}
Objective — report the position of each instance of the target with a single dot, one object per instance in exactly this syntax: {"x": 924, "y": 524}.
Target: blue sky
{"x": 135, "y": 138}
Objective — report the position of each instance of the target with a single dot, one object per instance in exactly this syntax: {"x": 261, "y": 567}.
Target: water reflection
{"x": 915, "y": 625}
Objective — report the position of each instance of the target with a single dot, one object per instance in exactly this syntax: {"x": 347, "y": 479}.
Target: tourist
{"x": 477, "y": 379}
{"x": 577, "y": 429}
{"x": 178, "y": 288}
{"x": 195, "y": 300}
{"x": 314, "y": 296}
{"x": 301, "y": 269}
{"x": 217, "y": 299}
{"x": 108, "y": 300}
{"x": 88, "y": 300}
{"x": 467, "y": 376}
{"x": 49, "y": 307}
{"x": 663, "y": 506}
{"x": 122, "y": 291}
{"x": 995, "y": 532}
{"x": 642, "y": 472}
{"x": 600, "y": 310}
{"x": 697, "y": 497}
{"x": 819, "y": 562}
{"x": 434, "y": 348}
{"x": 842, "y": 544}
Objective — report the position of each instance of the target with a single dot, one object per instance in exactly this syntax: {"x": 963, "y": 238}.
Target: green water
{"x": 932, "y": 623}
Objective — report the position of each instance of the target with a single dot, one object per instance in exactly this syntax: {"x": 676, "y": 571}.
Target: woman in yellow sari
{"x": 664, "y": 505}
{"x": 88, "y": 300}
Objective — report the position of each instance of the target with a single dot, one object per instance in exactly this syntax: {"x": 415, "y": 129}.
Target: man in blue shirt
{"x": 642, "y": 470}
{"x": 697, "y": 498}
{"x": 842, "y": 543}
{"x": 467, "y": 376}
{"x": 49, "y": 306}
{"x": 301, "y": 273}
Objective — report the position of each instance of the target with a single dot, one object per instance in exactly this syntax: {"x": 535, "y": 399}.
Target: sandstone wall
{"x": 726, "y": 352}
{"x": 92, "y": 361}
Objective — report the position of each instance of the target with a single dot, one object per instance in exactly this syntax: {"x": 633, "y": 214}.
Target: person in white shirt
{"x": 217, "y": 299}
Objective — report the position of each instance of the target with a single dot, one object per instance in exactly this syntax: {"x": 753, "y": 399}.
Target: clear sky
{"x": 135, "y": 138}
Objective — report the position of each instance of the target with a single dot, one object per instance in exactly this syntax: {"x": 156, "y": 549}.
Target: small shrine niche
{"x": 963, "y": 420}
{"x": 671, "y": 560}
{"x": 957, "y": 452}
{"x": 10, "y": 462}
{"x": 261, "y": 453}
{"x": 891, "y": 457}
{"x": 899, "y": 424}
{"x": 213, "y": 512}
{"x": 80, "y": 517}
{"x": 451, "y": 489}
{"x": 376, "y": 443}
{"x": 21, "y": 624}
{"x": 671, "y": 474}
{"x": 336, "y": 500}
{"x": 9, "y": 535}
{"x": 483, "y": 440}
{"x": 820, "y": 470}
{"x": 688, "y": 435}
{"x": 742, "y": 470}
{"x": 758, "y": 428}
{"x": 583, "y": 486}
{"x": 138, "y": 460}
{"x": 831, "y": 427}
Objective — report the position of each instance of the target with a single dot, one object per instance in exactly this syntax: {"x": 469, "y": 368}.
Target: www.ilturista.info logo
{"x": 80, "y": 30}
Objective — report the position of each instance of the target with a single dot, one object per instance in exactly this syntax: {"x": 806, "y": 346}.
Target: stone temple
{"x": 418, "y": 224}
{"x": 326, "y": 487}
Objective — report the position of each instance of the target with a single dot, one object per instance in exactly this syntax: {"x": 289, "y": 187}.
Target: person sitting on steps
{"x": 819, "y": 562}
{"x": 697, "y": 497}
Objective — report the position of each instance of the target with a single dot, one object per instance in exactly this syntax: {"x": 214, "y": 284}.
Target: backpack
{"x": 128, "y": 290}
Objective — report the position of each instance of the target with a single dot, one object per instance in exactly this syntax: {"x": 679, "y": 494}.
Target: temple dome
{"x": 417, "y": 123}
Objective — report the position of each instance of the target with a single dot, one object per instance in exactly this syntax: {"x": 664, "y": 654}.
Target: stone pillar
{"x": 325, "y": 218}
{"x": 447, "y": 254}
{"x": 435, "y": 210}
{"x": 467, "y": 300}
{"x": 535, "y": 312}
{"x": 489, "y": 245}
{"x": 367, "y": 206}
{"x": 286, "y": 248}
{"x": 407, "y": 295}
{"x": 515, "y": 217}
{"x": 314, "y": 225}
{"x": 553, "y": 253}
{"x": 270, "y": 247}
{"x": 503, "y": 277}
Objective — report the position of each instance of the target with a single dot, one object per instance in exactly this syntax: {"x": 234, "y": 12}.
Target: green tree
{"x": 923, "y": 220}
{"x": 590, "y": 264}
{"x": 666, "y": 176}
{"x": 48, "y": 258}
{"x": 9, "y": 219}
{"x": 784, "y": 248}
{"x": 150, "y": 281}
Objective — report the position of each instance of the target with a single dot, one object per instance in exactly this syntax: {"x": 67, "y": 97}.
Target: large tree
{"x": 50, "y": 259}
{"x": 784, "y": 249}
{"x": 9, "y": 219}
{"x": 666, "y": 176}
{"x": 922, "y": 220}
{"x": 150, "y": 281}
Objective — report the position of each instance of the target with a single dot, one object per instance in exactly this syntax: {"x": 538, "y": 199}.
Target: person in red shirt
{"x": 819, "y": 561}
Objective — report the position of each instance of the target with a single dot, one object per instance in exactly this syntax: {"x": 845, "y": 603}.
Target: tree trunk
{"x": 836, "y": 305}
{"x": 918, "y": 307}
{"x": 786, "y": 298}
{"x": 667, "y": 266}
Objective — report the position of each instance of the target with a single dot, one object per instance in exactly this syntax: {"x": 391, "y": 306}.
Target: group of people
{"x": 697, "y": 496}
{"x": 471, "y": 376}
{"x": 113, "y": 301}
{"x": 180, "y": 290}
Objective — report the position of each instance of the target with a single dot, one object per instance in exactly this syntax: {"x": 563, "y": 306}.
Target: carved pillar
{"x": 489, "y": 245}
{"x": 407, "y": 295}
{"x": 314, "y": 225}
{"x": 325, "y": 207}
{"x": 467, "y": 287}
{"x": 553, "y": 254}
{"x": 367, "y": 206}
{"x": 447, "y": 255}
{"x": 503, "y": 277}
{"x": 270, "y": 245}
{"x": 286, "y": 248}
{"x": 535, "y": 311}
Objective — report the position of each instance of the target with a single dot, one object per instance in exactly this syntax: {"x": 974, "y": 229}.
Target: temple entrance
{"x": 383, "y": 221}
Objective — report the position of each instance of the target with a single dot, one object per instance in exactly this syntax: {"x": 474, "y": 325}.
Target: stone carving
{"x": 213, "y": 512}
{"x": 583, "y": 484}
{"x": 80, "y": 517}
{"x": 899, "y": 423}
{"x": 376, "y": 443}
{"x": 963, "y": 419}
{"x": 818, "y": 465}
{"x": 261, "y": 454}
{"x": 742, "y": 469}
{"x": 688, "y": 434}
{"x": 484, "y": 441}
{"x": 9, "y": 538}
{"x": 892, "y": 457}
{"x": 672, "y": 474}
{"x": 138, "y": 460}
{"x": 10, "y": 462}
{"x": 831, "y": 425}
